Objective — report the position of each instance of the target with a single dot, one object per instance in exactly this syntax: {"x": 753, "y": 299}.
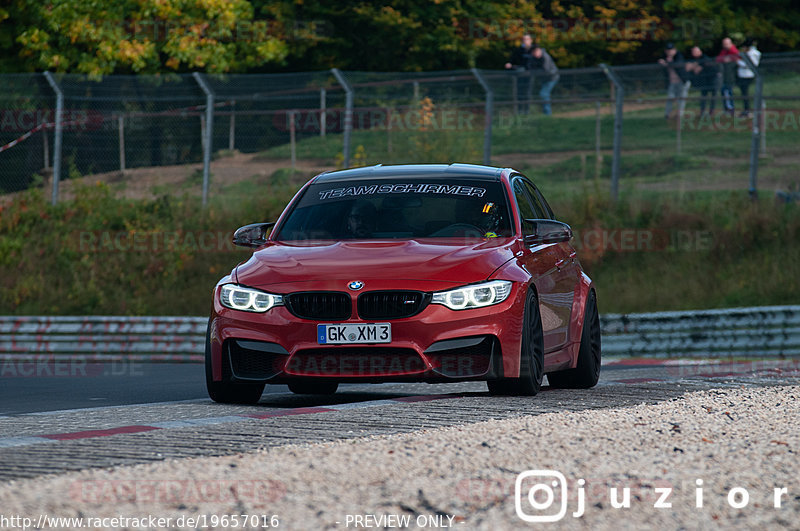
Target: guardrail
{"x": 772, "y": 331}
{"x": 104, "y": 338}
{"x": 769, "y": 331}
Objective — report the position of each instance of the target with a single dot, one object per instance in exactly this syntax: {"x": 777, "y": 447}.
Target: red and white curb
{"x": 9, "y": 442}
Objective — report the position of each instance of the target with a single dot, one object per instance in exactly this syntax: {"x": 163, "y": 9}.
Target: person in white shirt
{"x": 745, "y": 76}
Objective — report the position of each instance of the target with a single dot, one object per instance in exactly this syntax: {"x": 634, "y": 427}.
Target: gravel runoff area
{"x": 742, "y": 443}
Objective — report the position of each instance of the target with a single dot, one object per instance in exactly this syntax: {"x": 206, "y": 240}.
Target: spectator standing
{"x": 745, "y": 76}
{"x": 673, "y": 72}
{"x": 728, "y": 57}
{"x": 542, "y": 65}
{"x": 702, "y": 73}
{"x": 520, "y": 62}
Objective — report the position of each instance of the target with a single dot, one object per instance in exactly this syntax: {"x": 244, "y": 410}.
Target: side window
{"x": 538, "y": 205}
{"x": 526, "y": 209}
{"x": 547, "y": 206}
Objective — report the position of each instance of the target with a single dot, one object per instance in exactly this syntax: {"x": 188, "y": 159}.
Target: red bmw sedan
{"x": 434, "y": 273}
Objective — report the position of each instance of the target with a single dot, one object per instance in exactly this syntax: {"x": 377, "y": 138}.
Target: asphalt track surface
{"x": 102, "y": 415}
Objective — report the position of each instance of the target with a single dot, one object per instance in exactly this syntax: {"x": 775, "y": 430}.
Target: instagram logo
{"x": 545, "y": 488}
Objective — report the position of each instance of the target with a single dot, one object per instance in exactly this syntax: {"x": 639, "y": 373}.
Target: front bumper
{"x": 437, "y": 344}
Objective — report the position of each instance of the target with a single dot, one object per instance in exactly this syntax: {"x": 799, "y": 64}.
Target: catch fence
{"x": 607, "y": 122}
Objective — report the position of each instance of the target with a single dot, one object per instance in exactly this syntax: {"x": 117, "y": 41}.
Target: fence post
{"x": 763, "y": 127}
{"x": 121, "y": 129}
{"x": 348, "y": 114}
{"x": 232, "y": 130}
{"x": 209, "y": 132}
{"x": 681, "y": 108}
{"x": 323, "y": 113}
{"x": 619, "y": 97}
{"x": 597, "y": 129}
{"x": 757, "y": 126}
{"x": 203, "y": 132}
{"x": 59, "y": 132}
{"x": 292, "y": 139}
{"x": 46, "y": 148}
{"x": 487, "y": 121}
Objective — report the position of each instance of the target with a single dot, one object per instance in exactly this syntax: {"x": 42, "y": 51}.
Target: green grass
{"x": 653, "y": 166}
{"x": 642, "y": 131}
{"x": 716, "y": 249}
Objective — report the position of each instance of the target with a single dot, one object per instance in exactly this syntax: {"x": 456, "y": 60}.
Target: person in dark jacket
{"x": 674, "y": 74}
{"x": 543, "y": 67}
{"x": 728, "y": 57}
{"x": 702, "y": 71}
{"x": 520, "y": 63}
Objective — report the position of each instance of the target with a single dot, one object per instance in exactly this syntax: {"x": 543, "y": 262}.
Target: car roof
{"x": 379, "y": 172}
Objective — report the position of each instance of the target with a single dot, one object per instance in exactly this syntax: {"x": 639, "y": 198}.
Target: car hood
{"x": 443, "y": 260}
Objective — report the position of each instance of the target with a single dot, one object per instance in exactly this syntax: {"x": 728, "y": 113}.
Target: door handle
{"x": 570, "y": 259}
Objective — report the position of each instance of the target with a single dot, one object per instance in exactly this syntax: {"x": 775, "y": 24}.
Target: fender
{"x": 582, "y": 290}
{"x": 512, "y": 271}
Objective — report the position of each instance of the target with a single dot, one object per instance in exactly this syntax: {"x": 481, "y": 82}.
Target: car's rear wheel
{"x": 226, "y": 391}
{"x": 531, "y": 355}
{"x": 587, "y": 372}
{"x": 313, "y": 387}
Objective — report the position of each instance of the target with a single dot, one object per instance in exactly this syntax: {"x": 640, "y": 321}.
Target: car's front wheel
{"x": 226, "y": 391}
{"x": 587, "y": 372}
{"x": 531, "y": 369}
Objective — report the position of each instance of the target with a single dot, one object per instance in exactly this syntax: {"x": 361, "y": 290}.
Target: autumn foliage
{"x": 149, "y": 36}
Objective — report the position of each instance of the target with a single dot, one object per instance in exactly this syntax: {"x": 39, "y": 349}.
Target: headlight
{"x": 248, "y": 299}
{"x": 474, "y": 296}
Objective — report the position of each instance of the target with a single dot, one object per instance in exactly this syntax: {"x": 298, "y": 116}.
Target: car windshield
{"x": 400, "y": 208}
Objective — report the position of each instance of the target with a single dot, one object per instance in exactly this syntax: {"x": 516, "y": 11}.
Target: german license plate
{"x": 350, "y": 334}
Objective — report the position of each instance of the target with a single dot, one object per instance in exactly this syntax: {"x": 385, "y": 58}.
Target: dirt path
{"x": 607, "y": 108}
{"x": 139, "y": 183}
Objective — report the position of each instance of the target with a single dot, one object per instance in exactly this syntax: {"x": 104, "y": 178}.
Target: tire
{"x": 587, "y": 372}
{"x": 225, "y": 391}
{"x": 531, "y": 369}
{"x": 313, "y": 387}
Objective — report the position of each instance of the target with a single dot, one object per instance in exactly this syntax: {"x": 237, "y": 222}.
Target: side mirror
{"x": 546, "y": 231}
{"x": 253, "y": 235}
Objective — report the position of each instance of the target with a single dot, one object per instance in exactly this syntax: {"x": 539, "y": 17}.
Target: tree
{"x": 99, "y": 37}
{"x": 145, "y": 36}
